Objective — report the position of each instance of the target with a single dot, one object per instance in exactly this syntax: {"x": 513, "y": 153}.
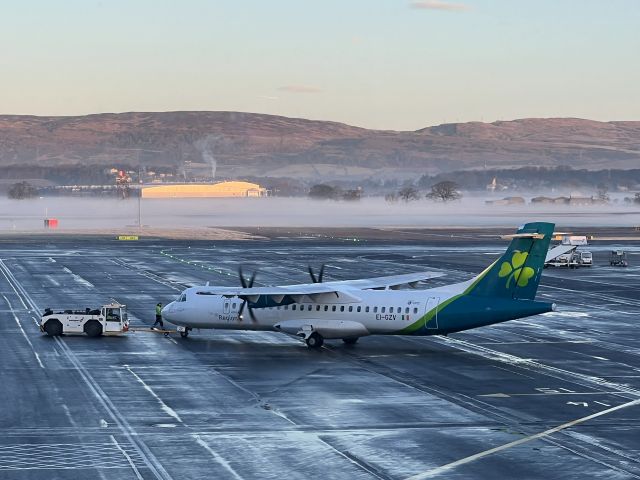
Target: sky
{"x": 388, "y": 64}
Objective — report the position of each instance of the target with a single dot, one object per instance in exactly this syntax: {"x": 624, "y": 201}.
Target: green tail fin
{"x": 517, "y": 273}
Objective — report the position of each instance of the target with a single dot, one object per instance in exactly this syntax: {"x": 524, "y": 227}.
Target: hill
{"x": 248, "y": 144}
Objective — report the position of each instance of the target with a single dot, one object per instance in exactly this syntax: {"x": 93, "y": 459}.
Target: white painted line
{"x": 126, "y": 455}
{"x": 168, "y": 410}
{"x": 546, "y": 433}
{"x": 143, "y": 450}
{"x": 217, "y": 457}
{"x": 24, "y": 334}
{"x": 3, "y": 267}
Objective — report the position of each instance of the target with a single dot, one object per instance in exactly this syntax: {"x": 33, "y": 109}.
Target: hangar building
{"x": 204, "y": 190}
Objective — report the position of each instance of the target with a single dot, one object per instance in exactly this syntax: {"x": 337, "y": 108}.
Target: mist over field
{"x": 87, "y": 213}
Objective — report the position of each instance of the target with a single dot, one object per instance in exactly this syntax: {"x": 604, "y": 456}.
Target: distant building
{"x": 205, "y": 190}
{"x": 542, "y": 200}
{"x": 506, "y": 201}
{"x": 550, "y": 200}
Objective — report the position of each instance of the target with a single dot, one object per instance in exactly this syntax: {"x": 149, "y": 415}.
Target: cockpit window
{"x": 181, "y": 298}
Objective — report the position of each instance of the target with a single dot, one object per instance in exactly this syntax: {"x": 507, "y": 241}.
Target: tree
{"x": 323, "y": 191}
{"x": 445, "y": 191}
{"x": 352, "y": 195}
{"x": 408, "y": 194}
{"x": 22, "y": 190}
{"x": 603, "y": 193}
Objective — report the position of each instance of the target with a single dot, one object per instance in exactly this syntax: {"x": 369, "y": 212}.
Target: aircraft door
{"x": 226, "y": 306}
{"x": 432, "y": 323}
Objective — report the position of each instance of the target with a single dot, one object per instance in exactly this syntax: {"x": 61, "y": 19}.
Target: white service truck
{"x": 566, "y": 254}
{"x": 109, "y": 319}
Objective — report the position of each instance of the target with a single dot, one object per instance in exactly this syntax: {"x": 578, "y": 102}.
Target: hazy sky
{"x": 392, "y": 64}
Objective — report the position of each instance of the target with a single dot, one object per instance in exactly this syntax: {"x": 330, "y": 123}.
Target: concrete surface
{"x": 553, "y": 396}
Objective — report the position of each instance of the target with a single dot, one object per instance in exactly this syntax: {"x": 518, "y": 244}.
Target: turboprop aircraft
{"x": 351, "y": 309}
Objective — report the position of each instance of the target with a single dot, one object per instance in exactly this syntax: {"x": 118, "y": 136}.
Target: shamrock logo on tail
{"x": 516, "y": 270}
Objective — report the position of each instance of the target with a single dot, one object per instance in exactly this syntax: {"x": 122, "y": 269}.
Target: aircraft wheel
{"x": 185, "y": 334}
{"x": 350, "y": 340}
{"x": 315, "y": 340}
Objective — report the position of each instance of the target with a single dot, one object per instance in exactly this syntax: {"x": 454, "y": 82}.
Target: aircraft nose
{"x": 167, "y": 310}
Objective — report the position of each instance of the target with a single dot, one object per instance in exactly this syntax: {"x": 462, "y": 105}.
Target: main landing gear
{"x": 314, "y": 340}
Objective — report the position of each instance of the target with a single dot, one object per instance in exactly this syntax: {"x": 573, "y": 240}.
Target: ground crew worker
{"x": 158, "y": 316}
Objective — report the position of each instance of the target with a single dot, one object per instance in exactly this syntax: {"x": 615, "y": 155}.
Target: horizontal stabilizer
{"x": 535, "y": 236}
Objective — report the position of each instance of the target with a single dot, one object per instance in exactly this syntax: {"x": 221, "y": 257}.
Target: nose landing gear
{"x": 185, "y": 333}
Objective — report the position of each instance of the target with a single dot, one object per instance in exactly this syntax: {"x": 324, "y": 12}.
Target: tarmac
{"x": 555, "y": 396}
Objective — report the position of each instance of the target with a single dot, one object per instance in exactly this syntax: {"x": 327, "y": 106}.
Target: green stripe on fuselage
{"x": 427, "y": 317}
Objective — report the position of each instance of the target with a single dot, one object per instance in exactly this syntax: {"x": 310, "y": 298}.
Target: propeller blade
{"x": 321, "y": 273}
{"x": 242, "y": 305}
{"x": 252, "y": 315}
{"x": 312, "y": 275}
{"x": 243, "y": 280}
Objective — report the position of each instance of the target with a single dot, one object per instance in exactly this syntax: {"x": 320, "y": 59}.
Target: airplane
{"x": 350, "y": 309}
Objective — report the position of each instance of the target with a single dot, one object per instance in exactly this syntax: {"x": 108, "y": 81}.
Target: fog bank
{"x": 90, "y": 213}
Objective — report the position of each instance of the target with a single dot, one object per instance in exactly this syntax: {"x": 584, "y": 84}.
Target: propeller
{"x": 243, "y": 281}
{"x": 245, "y": 284}
{"x": 317, "y": 279}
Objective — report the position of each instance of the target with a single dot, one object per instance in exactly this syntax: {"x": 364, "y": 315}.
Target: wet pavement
{"x": 555, "y": 396}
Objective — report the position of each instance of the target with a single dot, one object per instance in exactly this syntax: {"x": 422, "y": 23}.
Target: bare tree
{"x": 445, "y": 191}
{"x": 603, "y": 193}
{"x": 408, "y": 194}
{"x": 323, "y": 191}
{"x": 22, "y": 190}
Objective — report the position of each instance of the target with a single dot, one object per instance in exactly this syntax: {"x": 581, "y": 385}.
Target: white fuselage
{"x": 365, "y": 312}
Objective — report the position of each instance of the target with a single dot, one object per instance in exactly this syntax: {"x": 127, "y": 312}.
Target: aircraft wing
{"x": 314, "y": 292}
{"x": 559, "y": 250}
{"x": 393, "y": 281}
{"x": 340, "y": 289}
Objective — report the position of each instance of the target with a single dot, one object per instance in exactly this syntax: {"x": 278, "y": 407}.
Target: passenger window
{"x": 317, "y": 308}
{"x": 309, "y": 307}
{"x": 286, "y": 307}
{"x": 333, "y": 308}
{"x": 342, "y": 308}
{"x": 326, "y": 308}
{"x": 375, "y": 309}
{"x": 382, "y": 311}
{"x": 350, "y": 308}
{"x": 415, "y": 310}
{"x": 406, "y": 310}
{"x": 293, "y": 307}
{"x": 366, "y": 309}
{"x": 359, "y": 309}
{"x": 233, "y": 305}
